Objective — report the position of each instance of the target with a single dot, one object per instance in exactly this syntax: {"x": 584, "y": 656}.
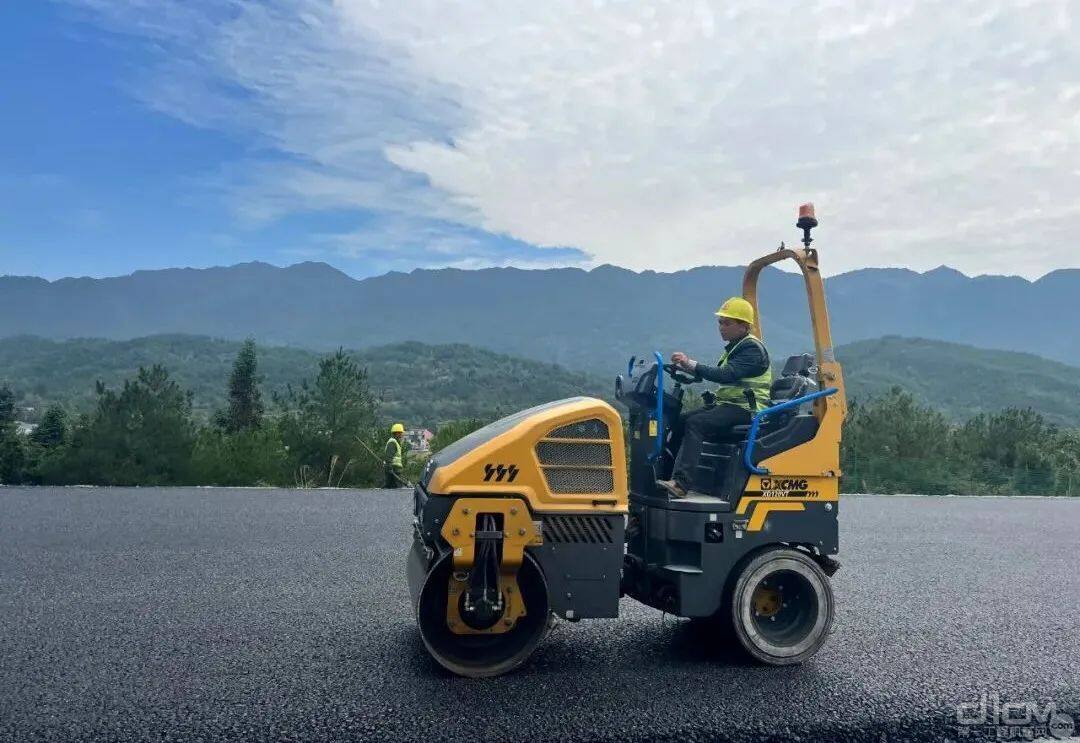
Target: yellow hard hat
{"x": 737, "y": 308}
{"x": 397, "y": 428}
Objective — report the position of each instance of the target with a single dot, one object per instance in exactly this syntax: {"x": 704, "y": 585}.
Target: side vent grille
{"x": 594, "y": 428}
{"x": 578, "y": 480}
{"x": 576, "y": 455}
{"x": 576, "y": 458}
{"x": 577, "y": 530}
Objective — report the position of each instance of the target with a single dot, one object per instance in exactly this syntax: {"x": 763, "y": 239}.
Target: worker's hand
{"x": 682, "y": 361}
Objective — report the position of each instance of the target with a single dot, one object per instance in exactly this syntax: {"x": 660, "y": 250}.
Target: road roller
{"x": 554, "y": 513}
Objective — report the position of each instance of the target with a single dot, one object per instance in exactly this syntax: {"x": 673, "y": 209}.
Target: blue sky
{"x": 96, "y": 181}
{"x": 93, "y": 181}
{"x": 141, "y": 134}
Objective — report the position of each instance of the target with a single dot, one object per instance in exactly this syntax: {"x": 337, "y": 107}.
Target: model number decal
{"x": 500, "y": 472}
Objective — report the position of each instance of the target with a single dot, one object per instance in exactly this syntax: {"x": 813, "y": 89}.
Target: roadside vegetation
{"x": 892, "y": 444}
{"x": 327, "y": 430}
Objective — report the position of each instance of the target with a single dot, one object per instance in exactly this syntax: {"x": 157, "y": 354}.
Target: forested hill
{"x": 587, "y": 320}
{"x": 962, "y": 381}
{"x": 428, "y": 384}
{"x": 421, "y": 384}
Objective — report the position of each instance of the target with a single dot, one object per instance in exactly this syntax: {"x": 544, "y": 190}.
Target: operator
{"x": 745, "y": 375}
{"x": 393, "y": 460}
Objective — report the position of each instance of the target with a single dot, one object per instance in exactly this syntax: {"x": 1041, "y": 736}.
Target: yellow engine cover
{"x": 563, "y": 456}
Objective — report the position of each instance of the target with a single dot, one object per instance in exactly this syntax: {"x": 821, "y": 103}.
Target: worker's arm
{"x": 388, "y": 455}
{"x": 749, "y": 360}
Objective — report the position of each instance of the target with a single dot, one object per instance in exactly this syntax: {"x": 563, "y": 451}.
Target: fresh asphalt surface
{"x": 205, "y": 614}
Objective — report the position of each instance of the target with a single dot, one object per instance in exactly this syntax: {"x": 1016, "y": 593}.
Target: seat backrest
{"x": 795, "y": 380}
{"x": 801, "y": 365}
{"x": 788, "y": 388}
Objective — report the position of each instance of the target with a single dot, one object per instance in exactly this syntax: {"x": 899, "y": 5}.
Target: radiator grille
{"x": 574, "y": 454}
{"x": 578, "y": 480}
{"x": 594, "y": 428}
{"x": 577, "y": 530}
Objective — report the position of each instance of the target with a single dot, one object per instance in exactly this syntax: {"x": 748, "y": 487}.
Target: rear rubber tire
{"x": 797, "y": 604}
{"x": 482, "y": 656}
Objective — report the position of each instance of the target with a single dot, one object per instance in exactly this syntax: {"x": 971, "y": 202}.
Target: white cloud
{"x": 653, "y": 135}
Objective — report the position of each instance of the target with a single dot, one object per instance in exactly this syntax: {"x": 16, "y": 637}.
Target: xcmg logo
{"x": 770, "y": 483}
{"x": 500, "y": 472}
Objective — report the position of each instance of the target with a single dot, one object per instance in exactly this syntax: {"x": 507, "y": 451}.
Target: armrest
{"x": 755, "y": 425}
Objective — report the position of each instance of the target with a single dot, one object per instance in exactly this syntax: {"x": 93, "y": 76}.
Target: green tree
{"x": 245, "y": 408}
{"x": 7, "y": 406}
{"x": 892, "y": 445}
{"x": 324, "y": 421}
{"x": 52, "y": 431}
{"x": 1011, "y": 451}
{"x": 142, "y": 435}
{"x": 12, "y": 448}
{"x": 253, "y": 457}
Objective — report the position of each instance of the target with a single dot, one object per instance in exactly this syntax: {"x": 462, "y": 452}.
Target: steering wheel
{"x": 680, "y": 376}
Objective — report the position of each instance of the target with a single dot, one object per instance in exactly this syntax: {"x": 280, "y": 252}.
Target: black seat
{"x": 795, "y": 380}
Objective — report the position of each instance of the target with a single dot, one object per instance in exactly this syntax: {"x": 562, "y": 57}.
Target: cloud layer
{"x": 646, "y": 135}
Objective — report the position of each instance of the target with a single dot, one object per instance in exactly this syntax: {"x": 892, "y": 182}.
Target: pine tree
{"x": 7, "y": 406}
{"x": 12, "y": 451}
{"x": 325, "y": 418}
{"x": 141, "y": 435}
{"x": 245, "y": 409}
{"x": 53, "y": 429}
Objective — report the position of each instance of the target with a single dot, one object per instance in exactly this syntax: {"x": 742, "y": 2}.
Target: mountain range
{"x": 584, "y": 320}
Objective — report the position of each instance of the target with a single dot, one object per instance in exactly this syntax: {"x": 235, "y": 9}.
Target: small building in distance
{"x": 419, "y": 439}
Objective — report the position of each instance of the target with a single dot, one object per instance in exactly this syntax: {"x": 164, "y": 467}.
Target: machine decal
{"x": 771, "y": 483}
{"x": 751, "y": 498}
{"x": 500, "y": 472}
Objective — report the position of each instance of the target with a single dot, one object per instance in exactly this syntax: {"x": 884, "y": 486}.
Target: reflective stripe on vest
{"x": 396, "y": 461}
{"x": 735, "y": 393}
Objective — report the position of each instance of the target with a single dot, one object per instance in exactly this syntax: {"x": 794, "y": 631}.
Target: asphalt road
{"x": 203, "y": 614}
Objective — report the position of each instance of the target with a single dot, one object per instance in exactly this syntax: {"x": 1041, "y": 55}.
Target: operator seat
{"x": 796, "y": 380}
{"x": 721, "y": 458}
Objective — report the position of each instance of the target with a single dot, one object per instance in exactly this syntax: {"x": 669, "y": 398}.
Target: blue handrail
{"x": 659, "y": 407}
{"x": 751, "y": 439}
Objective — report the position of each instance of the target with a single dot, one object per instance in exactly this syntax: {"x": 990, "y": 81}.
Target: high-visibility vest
{"x": 396, "y": 461}
{"x": 735, "y": 393}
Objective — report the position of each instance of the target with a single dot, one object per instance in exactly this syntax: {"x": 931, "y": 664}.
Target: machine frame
{"x": 540, "y": 514}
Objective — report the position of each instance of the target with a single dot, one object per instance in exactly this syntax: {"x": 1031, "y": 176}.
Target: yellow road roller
{"x": 538, "y": 516}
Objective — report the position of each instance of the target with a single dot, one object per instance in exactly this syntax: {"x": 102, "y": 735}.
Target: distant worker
{"x": 393, "y": 459}
{"x": 745, "y": 376}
